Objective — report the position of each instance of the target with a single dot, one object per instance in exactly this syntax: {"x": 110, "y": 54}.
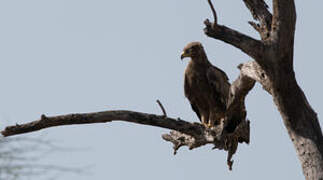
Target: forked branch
{"x": 254, "y": 48}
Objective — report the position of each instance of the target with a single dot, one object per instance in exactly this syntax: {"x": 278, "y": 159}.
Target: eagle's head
{"x": 194, "y": 50}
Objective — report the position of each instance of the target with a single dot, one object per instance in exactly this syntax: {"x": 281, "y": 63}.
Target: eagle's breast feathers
{"x": 205, "y": 86}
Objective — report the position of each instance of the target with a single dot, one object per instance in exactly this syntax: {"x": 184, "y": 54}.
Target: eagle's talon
{"x": 207, "y": 125}
{"x": 210, "y": 124}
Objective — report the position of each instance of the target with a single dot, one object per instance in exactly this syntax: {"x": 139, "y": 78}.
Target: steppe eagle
{"x": 205, "y": 86}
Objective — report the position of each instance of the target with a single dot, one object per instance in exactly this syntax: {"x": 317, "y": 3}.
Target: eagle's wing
{"x": 220, "y": 83}
{"x": 188, "y": 93}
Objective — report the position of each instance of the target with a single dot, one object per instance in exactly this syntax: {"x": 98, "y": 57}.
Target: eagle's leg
{"x": 211, "y": 124}
{"x": 205, "y": 120}
{"x": 215, "y": 119}
{"x": 211, "y": 120}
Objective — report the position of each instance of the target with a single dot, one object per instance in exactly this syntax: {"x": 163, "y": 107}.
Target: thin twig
{"x": 213, "y": 12}
{"x": 162, "y": 107}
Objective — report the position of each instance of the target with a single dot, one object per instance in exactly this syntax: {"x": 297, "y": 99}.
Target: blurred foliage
{"x": 20, "y": 159}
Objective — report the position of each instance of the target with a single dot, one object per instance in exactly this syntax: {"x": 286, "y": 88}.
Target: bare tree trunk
{"x": 275, "y": 57}
{"x": 301, "y": 123}
{"x": 299, "y": 118}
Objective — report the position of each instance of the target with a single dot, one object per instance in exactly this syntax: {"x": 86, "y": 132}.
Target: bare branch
{"x": 255, "y": 26}
{"x": 162, "y": 108}
{"x": 260, "y": 12}
{"x": 254, "y": 48}
{"x": 213, "y": 12}
{"x": 103, "y": 117}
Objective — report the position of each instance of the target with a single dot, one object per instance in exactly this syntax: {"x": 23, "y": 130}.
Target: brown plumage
{"x": 205, "y": 86}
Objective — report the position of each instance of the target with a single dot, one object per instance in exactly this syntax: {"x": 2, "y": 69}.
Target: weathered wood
{"x": 260, "y": 12}
{"x": 104, "y": 117}
{"x": 247, "y": 44}
{"x": 275, "y": 72}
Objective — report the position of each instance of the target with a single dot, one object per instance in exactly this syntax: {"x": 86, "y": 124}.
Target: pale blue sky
{"x": 68, "y": 56}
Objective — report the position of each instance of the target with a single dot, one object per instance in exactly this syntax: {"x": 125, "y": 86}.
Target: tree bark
{"x": 276, "y": 61}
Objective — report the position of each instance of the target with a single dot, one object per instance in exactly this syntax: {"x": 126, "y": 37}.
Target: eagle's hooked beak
{"x": 184, "y": 55}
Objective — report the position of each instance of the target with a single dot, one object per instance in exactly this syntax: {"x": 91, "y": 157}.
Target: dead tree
{"x": 274, "y": 56}
{"x": 272, "y": 68}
